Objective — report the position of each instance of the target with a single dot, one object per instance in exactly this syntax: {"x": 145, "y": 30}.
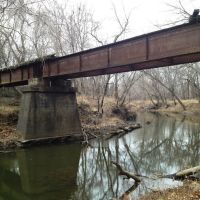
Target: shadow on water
{"x": 69, "y": 172}
{"x": 46, "y": 173}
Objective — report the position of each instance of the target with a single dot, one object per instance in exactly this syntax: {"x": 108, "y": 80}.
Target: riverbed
{"x": 163, "y": 145}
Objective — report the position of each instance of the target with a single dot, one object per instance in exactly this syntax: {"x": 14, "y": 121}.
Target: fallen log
{"x": 184, "y": 174}
{"x": 122, "y": 131}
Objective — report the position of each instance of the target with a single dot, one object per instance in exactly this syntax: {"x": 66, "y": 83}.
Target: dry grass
{"x": 111, "y": 121}
{"x": 109, "y": 102}
{"x": 191, "y": 105}
{"x": 138, "y": 105}
{"x": 8, "y": 120}
{"x": 8, "y": 135}
{"x": 6, "y": 110}
{"x": 192, "y": 113}
{"x": 90, "y": 117}
{"x": 8, "y": 106}
{"x": 9, "y": 115}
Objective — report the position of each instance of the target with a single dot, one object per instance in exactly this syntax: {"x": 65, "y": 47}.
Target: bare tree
{"x": 170, "y": 88}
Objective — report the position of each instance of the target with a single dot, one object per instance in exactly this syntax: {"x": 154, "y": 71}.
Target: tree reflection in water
{"x": 165, "y": 146}
{"x": 69, "y": 172}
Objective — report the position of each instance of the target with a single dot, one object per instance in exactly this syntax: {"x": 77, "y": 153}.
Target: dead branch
{"x": 126, "y": 173}
{"x": 93, "y": 135}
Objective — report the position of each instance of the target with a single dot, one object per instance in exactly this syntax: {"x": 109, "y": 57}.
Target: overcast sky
{"x": 145, "y": 14}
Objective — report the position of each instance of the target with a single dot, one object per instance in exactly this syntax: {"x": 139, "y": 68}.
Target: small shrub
{"x": 124, "y": 113}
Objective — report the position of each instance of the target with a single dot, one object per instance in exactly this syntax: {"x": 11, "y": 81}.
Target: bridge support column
{"x": 48, "y": 110}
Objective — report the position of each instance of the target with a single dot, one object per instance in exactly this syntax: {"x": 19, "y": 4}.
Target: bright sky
{"x": 145, "y": 13}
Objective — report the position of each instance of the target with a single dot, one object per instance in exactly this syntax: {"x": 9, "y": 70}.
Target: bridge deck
{"x": 172, "y": 46}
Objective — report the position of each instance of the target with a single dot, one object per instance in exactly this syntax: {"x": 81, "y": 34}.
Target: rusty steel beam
{"x": 172, "y": 46}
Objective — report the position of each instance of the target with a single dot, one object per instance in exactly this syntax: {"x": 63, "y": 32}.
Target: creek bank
{"x": 115, "y": 122}
{"x": 191, "y": 112}
{"x": 179, "y": 193}
{"x": 8, "y": 135}
{"x": 190, "y": 191}
{"x": 107, "y": 132}
{"x": 94, "y": 125}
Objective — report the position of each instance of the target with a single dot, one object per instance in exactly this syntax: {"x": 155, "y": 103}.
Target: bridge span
{"x": 48, "y": 106}
{"x": 172, "y": 46}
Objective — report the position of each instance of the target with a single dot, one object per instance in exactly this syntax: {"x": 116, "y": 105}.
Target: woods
{"x": 32, "y": 29}
{"x": 116, "y": 136}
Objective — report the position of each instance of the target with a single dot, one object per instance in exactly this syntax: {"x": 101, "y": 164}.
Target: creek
{"x": 69, "y": 171}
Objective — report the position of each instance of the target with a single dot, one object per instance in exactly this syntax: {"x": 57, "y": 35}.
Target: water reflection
{"x": 67, "y": 172}
{"x": 164, "y": 146}
{"x": 39, "y": 173}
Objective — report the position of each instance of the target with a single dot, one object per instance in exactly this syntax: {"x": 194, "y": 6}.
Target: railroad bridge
{"x": 48, "y": 106}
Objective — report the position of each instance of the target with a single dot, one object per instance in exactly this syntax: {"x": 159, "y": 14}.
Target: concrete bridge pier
{"x": 48, "y": 110}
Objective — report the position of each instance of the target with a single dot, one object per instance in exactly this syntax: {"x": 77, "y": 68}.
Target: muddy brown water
{"x": 62, "y": 172}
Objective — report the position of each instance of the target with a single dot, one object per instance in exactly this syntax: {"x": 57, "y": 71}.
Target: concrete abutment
{"x": 48, "y": 110}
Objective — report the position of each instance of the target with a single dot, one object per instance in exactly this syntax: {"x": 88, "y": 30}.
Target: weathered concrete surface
{"x": 48, "y": 112}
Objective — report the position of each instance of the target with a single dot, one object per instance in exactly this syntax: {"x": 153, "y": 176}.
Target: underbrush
{"x": 111, "y": 115}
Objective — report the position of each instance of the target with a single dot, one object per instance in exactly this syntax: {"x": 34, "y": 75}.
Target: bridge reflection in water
{"x": 39, "y": 174}
{"x": 69, "y": 172}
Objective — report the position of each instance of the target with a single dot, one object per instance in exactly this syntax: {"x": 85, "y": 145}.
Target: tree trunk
{"x": 172, "y": 92}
